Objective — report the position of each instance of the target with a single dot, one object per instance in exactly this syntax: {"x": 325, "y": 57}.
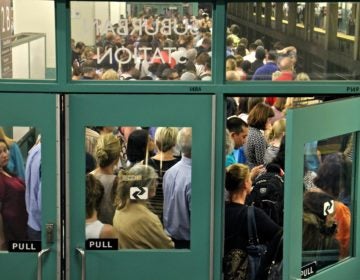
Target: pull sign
{"x": 24, "y": 246}
{"x": 101, "y": 244}
{"x": 308, "y": 270}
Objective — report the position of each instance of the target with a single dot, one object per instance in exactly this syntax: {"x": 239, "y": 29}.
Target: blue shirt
{"x": 177, "y": 199}
{"x": 33, "y": 187}
{"x": 236, "y": 156}
{"x": 311, "y": 159}
{"x": 265, "y": 72}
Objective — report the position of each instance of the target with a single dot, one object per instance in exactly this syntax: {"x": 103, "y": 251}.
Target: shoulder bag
{"x": 256, "y": 251}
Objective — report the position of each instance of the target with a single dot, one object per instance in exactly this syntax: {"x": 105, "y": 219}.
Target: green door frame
{"x": 218, "y": 87}
{"x": 304, "y": 125}
{"x": 149, "y": 111}
{"x": 39, "y": 111}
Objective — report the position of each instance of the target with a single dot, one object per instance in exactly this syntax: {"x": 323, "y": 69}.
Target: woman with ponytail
{"x": 238, "y": 184}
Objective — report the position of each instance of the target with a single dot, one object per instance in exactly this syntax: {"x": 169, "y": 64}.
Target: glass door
{"x": 29, "y": 222}
{"x": 321, "y": 228}
{"x": 153, "y": 161}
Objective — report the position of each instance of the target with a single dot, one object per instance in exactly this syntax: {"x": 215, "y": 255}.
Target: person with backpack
{"x": 238, "y": 184}
{"x": 268, "y": 193}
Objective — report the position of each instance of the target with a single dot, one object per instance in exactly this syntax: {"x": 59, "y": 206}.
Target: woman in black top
{"x": 165, "y": 141}
{"x": 238, "y": 184}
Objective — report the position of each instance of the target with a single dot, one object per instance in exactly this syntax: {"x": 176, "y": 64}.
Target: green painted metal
{"x": 38, "y": 110}
{"x": 101, "y": 95}
{"x": 302, "y": 126}
{"x": 144, "y": 110}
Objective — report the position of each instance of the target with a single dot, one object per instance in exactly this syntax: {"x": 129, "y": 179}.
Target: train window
{"x": 277, "y": 41}
{"x": 20, "y": 186}
{"x": 328, "y": 196}
{"x": 27, "y": 39}
{"x": 141, "y": 41}
{"x": 138, "y": 186}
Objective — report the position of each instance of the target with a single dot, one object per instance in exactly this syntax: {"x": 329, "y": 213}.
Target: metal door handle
{"x": 39, "y": 267}
{"x": 82, "y": 254}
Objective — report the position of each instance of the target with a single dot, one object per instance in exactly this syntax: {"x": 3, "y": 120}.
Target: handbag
{"x": 256, "y": 251}
{"x": 276, "y": 268}
{"x": 235, "y": 265}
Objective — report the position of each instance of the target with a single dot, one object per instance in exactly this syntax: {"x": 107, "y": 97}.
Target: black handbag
{"x": 256, "y": 251}
{"x": 276, "y": 267}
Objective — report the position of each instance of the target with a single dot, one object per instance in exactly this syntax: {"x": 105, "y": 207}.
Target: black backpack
{"x": 268, "y": 194}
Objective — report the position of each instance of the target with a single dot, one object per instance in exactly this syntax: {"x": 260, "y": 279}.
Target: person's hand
{"x": 256, "y": 171}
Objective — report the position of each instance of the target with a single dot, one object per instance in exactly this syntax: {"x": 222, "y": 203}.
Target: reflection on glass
{"x": 27, "y": 41}
{"x": 141, "y": 41}
{"x": 346, "y": 18}
{"x": 263, "y": 40}
{"x": 20, "y": 185}
{"x": 327, "y": 200}
{"x": 139, "y": 186}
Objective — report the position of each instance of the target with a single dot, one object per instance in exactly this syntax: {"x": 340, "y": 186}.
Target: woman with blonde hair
{"x": 107, "y": 154}
{"x": 136, "y": 226}
{"x": 274, "y": 136}
{"x": 110, "y": 74}
{"x": 238, "y": 184}
{"x": 13, "y": 214}
{"x": 165, "y": 141}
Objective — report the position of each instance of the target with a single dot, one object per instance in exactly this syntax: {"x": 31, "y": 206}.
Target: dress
{"x": 139, "y": 228}
{"x": 177, "y": 200}
{"x": 107, "y": 209}
{"x": 93, "y": 229}
{"x": 158, "y": 200}
{"x": 255, "y": 147}
{"x": 13, "y": 209}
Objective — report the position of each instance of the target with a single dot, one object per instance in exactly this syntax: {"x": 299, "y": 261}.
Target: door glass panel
{"x": 20, "y": 188}
{"x": 138, "y": 184}
{"x": 256, "y": 139}
{"x": 27, "y": 39}
{"x": 328, "y": 198}
{"x": 286, "y": 41}
{"x": 141, "y": 41}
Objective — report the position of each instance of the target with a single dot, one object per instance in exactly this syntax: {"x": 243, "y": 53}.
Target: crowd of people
{"x": 255, "y": 146}
{"x": 162, "y": 48}
{"x": 138, "y": 183}
{"x": 138, "y": 186}
{"x": 155, "y": 47}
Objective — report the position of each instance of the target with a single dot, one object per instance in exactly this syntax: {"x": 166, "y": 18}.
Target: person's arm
{"x": 287, "y": 49}
{"x": 108, "y": 231}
